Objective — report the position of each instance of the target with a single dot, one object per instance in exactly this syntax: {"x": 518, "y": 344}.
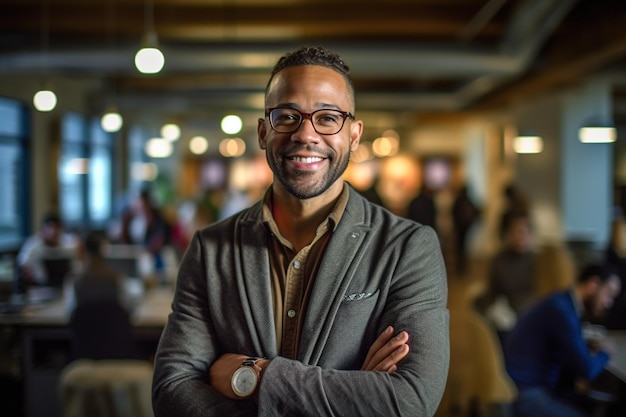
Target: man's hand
{"x": 222, "y": 370}
{"x": 387, "y": 351}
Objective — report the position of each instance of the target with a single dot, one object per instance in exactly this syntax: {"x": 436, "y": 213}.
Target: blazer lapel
{"x": 333, "y": 279}
{"x": 253, "y": 274}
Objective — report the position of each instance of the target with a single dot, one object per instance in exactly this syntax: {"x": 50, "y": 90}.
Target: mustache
{"x": 295, "y": 148}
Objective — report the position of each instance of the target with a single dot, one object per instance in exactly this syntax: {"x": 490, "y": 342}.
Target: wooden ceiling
{"x": 409, "y": 58}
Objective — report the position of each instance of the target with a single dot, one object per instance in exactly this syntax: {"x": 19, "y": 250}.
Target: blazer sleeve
{"x": 187, "y": 348}
{"x": 415, "y": 301}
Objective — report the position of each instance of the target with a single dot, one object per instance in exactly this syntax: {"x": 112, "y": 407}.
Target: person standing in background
{"x": 464, "y": 215}
{"x": 423, "y": 209}
{"x": 143, "y": 223}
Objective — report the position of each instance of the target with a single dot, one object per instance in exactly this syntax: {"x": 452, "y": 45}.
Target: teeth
{"x": 308, "y": 160}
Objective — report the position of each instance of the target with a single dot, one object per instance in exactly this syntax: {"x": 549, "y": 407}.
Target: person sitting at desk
{"x": 546, "y": 354}
{"x": 98, "y": 281}
{"x": 51, "y": 240}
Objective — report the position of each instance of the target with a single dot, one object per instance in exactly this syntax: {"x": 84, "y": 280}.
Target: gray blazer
{"x": 378, "y": 270}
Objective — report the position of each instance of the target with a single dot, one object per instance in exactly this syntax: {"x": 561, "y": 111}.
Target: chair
{"x": 491, "y": 390}
{"x": 102, "y": 330}
{"x": 106, "y": 378}
{"x": 106, "y": 388}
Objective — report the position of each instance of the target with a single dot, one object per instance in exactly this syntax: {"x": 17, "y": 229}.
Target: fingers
{"x": 387, "y": 351}
{"x": 398, "y": 349}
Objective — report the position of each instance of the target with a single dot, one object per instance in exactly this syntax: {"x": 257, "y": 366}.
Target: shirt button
{"x": 291, "y": 313}
{"x": 296, "y": 264}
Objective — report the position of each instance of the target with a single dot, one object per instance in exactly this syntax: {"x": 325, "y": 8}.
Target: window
{"x": 85, "y": 173}
{"x": 14, "y": 173}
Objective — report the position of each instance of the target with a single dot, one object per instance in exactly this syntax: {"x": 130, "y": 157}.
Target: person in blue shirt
{"x": 546, "y": 353}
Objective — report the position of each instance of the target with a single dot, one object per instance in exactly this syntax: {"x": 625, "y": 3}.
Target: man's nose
{"x": 306, "y": 132}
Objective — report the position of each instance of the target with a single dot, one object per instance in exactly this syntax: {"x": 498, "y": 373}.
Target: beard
{"x": 302, "y": 184}
{"x": 593, "y": 311}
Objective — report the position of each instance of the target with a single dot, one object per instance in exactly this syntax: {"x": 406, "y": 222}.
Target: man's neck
{"x": 298, "y": 219}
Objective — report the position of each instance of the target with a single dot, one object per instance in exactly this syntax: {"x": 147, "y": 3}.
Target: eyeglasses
{"x": 324, "y": 121}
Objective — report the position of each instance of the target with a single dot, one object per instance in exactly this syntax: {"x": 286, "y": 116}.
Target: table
{"x": 46, "y": 342}
{"x": 617, "y": 365}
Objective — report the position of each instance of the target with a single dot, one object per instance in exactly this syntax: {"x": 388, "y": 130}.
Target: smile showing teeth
{"x": 308, "y": 160}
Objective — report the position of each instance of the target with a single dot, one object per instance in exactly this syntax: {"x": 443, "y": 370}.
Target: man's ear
{"x": 356, "y": 130}
{"x": 261, "y": 132}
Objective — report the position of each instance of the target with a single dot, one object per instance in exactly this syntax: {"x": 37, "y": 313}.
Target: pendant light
{"x": 112, "y": 120}
{"x": 45, "y": 100}
{"x": 149, "y": 59}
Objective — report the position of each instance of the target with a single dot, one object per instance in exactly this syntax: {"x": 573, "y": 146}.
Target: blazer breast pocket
{"x": 359, "y": 302}
{"x": 348, "y": 342}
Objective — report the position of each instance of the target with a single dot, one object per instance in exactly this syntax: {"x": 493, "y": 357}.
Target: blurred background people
{"x": 616, "y": 257}
{"x": 50, "y": 240}
{"x": 145, "y": 224}
{"x": 423, "y": 208}
{"x": 100, "y": 306}
{"x": 515, "y": 202}
{"x": 464, "y": 214}
{"x": 546, "y": 354}
{"x": 97, "y": 280}
{"x": 511, "y": 283}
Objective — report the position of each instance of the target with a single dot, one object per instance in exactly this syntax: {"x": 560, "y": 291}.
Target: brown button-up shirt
{"x": 293, "y": 273}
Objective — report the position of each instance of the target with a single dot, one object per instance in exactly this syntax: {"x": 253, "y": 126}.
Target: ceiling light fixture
{"x": 231, "y": 124}
{"x": 149, "y": 59}
{"x": 198, "y": 145}
{"x": 111, "y": 120}
{"x": 597, "y": 131}
{"x": 159, "y": 148}
{"x": 170, "y": 131}
{"x": 45, "y": 100}
{"x": 528, "y": 144}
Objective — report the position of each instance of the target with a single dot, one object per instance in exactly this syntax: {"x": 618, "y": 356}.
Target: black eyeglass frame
{"x": 304, "y": 116}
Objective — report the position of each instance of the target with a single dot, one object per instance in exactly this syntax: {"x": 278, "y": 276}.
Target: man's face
{"x": 601, "y": 300}
{"x": 519, "y": 235}
{"x": 51, "y": 233}
{"x": 306, "y": 163}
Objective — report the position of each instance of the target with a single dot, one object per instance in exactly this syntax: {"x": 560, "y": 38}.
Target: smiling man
{"x": 312, "y": 302}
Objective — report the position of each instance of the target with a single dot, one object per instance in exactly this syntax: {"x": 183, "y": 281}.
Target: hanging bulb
{"x": 45, "y": 100}
{"x": 111, "y": 121}
{"x": 231, "y": 124}
{"x": 149, "y": 59}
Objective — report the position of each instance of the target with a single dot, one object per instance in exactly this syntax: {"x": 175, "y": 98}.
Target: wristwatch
{"x": 246, "y": 379}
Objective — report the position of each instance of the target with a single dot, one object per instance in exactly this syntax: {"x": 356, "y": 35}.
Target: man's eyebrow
{"x": 317, "y": 106}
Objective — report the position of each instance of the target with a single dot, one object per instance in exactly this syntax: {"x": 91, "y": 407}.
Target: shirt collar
{"x": 334, "y": 216}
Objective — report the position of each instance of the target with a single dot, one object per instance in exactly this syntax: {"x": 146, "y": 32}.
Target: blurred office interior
{"x": 483, "y": 93}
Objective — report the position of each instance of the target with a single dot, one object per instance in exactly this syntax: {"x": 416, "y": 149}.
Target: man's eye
{"x": 328, "y": 118}
{"x": 287, "y": 116}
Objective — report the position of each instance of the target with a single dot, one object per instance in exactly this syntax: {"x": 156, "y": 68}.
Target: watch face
{"x": 244, "y": 381}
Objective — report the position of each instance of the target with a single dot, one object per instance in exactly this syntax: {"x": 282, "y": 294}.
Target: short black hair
{"x": 94, "y": 241}
{"x": 602, "y": 271}
{"x": 313, "y": 55}
{"x": 51, "y": 218}
{"x": 509, "y": 218}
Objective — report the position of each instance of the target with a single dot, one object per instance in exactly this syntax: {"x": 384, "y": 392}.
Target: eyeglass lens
{"x": 325, "y": 121}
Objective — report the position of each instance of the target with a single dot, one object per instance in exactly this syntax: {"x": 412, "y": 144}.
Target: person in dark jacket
{"x": 546, "y": 354}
